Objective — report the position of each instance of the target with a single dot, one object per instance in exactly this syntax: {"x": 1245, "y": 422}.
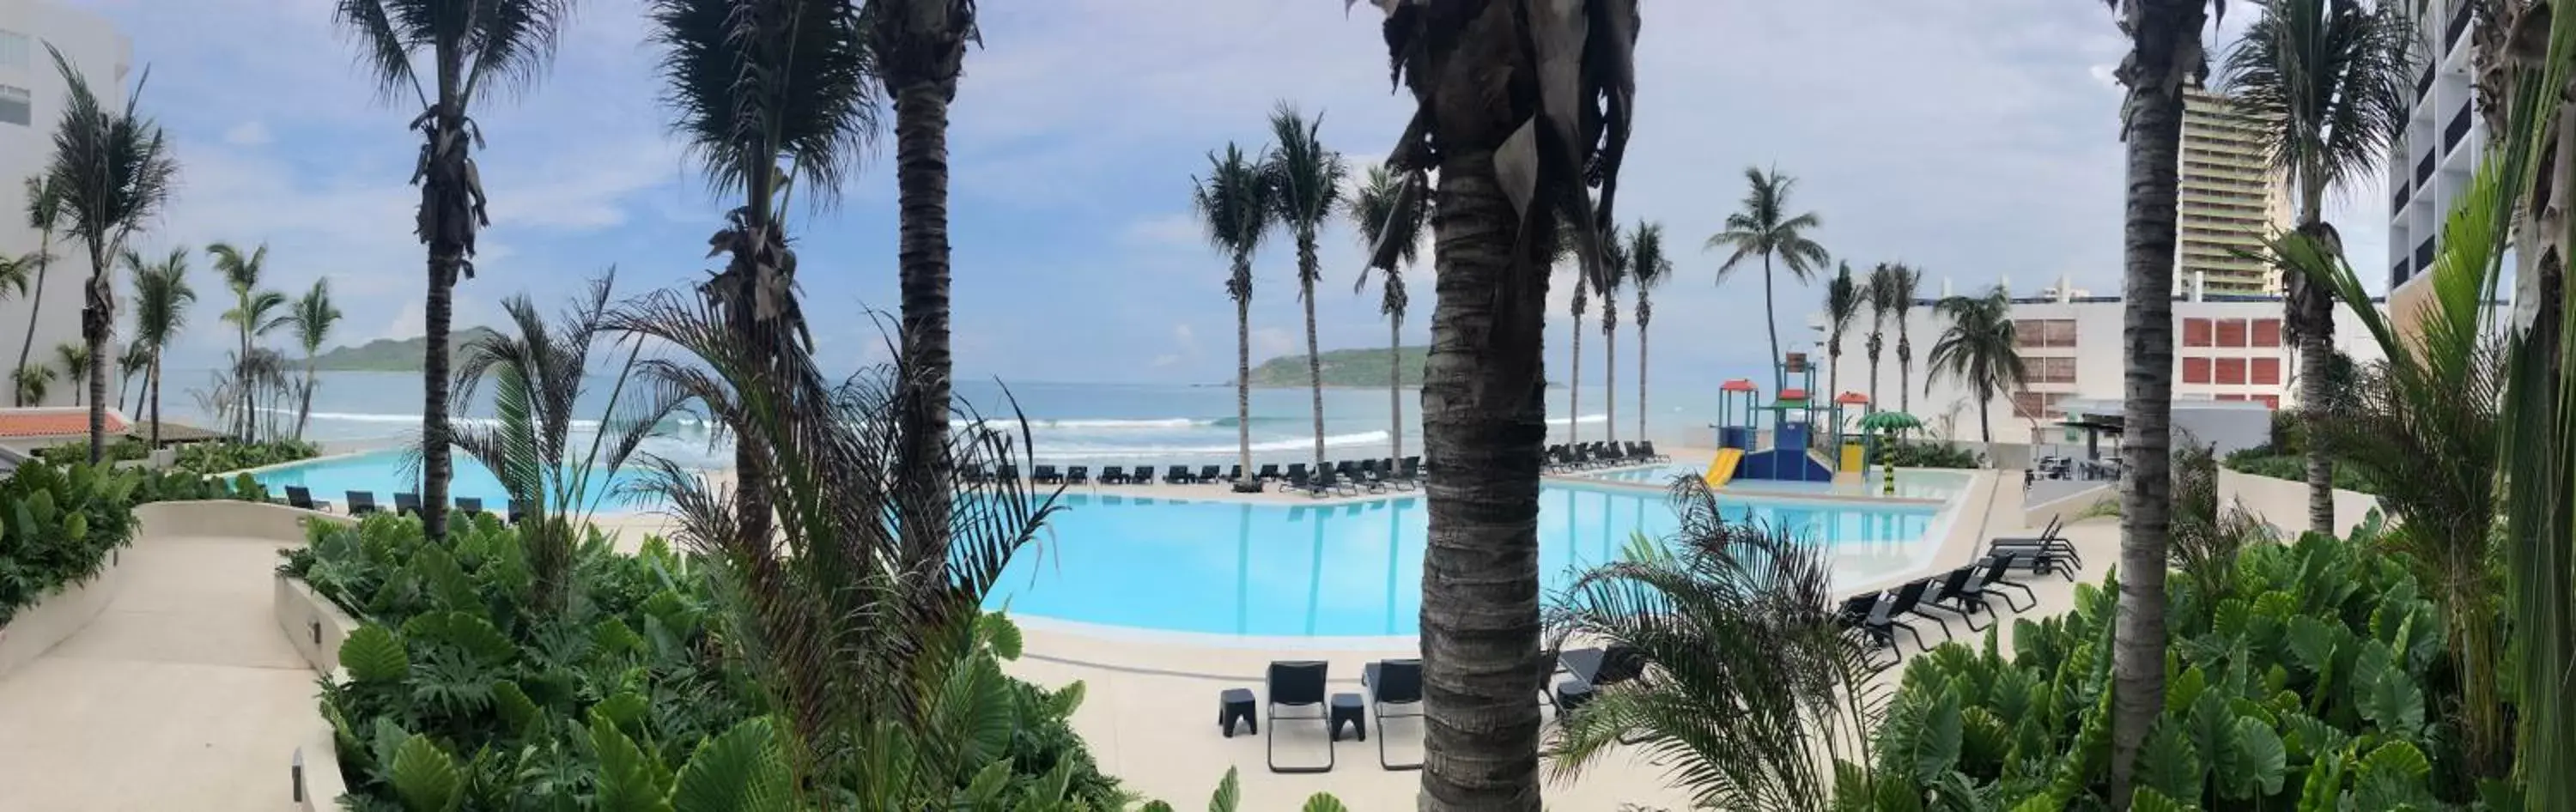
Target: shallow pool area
{"x": 384, "y": 473}
{"x": 1355, "y": 568}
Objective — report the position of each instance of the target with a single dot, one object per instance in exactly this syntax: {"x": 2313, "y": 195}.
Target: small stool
{"x": 1572, "y": 694}
{"x": 1235, "y": 705}
{"x": 1348, "y": 708}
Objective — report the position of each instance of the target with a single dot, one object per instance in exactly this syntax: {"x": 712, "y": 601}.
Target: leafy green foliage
{"x": 59, "y": 524}
{"x": 2264, "y": 461}
{"x": 226, "y": 456}
{"x": 121, "y": 450}
{"x": 2301, "y": 687}
{"x": 1911, "y": 454}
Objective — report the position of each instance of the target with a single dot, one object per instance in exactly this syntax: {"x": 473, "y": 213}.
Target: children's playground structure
{"x": 1801, "y": 430}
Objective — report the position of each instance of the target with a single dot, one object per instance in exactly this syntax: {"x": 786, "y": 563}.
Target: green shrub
{"x": 2294, "y": 467}
{"x": 2306, "y": 689}
{"x": 121, "y": 449}
{"x": 1922, "y": 454}
{"x": 226, "y": 456}
{"x": 59, "y": 523}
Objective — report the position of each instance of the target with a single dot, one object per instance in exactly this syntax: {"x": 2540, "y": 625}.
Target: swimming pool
{"x": 383, "y": 473}
{"x": 1913, "y": 483}
{"x": 1355, "y": 569}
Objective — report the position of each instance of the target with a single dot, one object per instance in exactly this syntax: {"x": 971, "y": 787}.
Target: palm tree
{"x": 1613, "y": 275}
{"x": 1882, "y": 304}
{"x": 1647, "y": 268}
{"x": 114, "y": 173}
{"x": 1753, "y": 678}
{"x": 313, "y": 316}
{"x": 1383, "y": 213}
{"x": 1979, "y": 349}
{"x": 920, "y": 47}
{"x": 1574, "y": 381}
{"x": 1765, "y": 228}
{"x": 131, "y": 361}
{"x": 44, "y": 213}
{"x": 1305, "y": 189}
{"x": 2164, "y": 50}
{"x": 772, "y": 95}
{"x": 1504, "y": 201}
{"x": 254, "y": 314}
{"x": 463, "y": 49}
{"x": 162, "y": 298}
{"x": 2329, "y": 79}
{"x": 1903, "y": 286}
{"x": 74, "y": 357}
{"x": 31, "y": 382}
{"x": 1842, "y": 304}
{"x": 1233, "y": 204}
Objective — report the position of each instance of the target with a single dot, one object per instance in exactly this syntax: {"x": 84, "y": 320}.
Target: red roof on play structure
{"x": 1853, "y": 399}
{"x": 1793, "y": 394}
{"x": 1736, "y": 385}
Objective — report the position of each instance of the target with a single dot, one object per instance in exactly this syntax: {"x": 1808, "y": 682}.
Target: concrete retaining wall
{"x": 56, "y": 617}
{"x": 2284, "y": 503}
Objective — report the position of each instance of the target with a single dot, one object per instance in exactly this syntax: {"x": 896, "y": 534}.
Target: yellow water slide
{"x": 1722, "y": 469}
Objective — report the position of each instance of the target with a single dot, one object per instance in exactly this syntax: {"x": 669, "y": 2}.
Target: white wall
{"x": 104, "y": 57}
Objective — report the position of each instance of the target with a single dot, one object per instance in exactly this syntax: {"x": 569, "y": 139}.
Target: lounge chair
{"x": 1299, "y": 481}
{"x": 2049, "y": 540}
{"x": 1610, "y": 455}
{"x": 1410, "y": 472}
{"x": 1326, "y": 483}
{"x": 2037, "y": 561}
{"x": 1113, "y": 475}
{"x": 300, "y": 496}
{"x": 1882, "y": 621}
{"x": 521, "y": 509}
{"x": 1008, "y": 472}
{"x": 1651, "y": 453}
{"x": 469, "y": 505}
{"x": 974, "y": 474}
{"x": 1952, "y": 592}
{"x": 1392, "y": 682}
{"x": 1046, "y": 475}
{"x": 1600, "y": 667}
{"x": 1994, "y": 577}
{"x": 1208, "y": 475}
{"x": 1296, "y": 684}
{"x": 406, "y": 504}
{"x": 1269, "y": 473}
{"x": 1077, "y": 475}
{"x": 1178, "y": 475}
{"x": 1855, "y": 609}
{"x": 1358, "y": 475}
{"x": 362, "y": 503}
{"x": 1143, "y": 475}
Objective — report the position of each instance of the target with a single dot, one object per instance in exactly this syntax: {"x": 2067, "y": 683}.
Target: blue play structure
{"x": 1794, "y": 419}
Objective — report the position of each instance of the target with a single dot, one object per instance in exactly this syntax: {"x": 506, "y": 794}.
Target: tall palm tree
{"x": 1233, "y": 204}
{"x": 17, "y": 275}
{"x": 920, "y": 47}
{"x": 1383, "y": 213}
{"x": 162, "y": 299}
{"x": 75, "y": 356}
{"x": 1904, "y": 284}
{"x": 313, "y": 316}
{"x": 1842, "y": 304}
{"x": 2328, "y": 79}
{"x": 446, "y": 54}
{"x": 32, "y": 381}
{"x": 44, "y": 213}
{"x": 254, "y": 314}
{"x": 1613, "y": 276}
{"x": 1882, "y": 304}
{"x": 1647, "y": 269}
{"x": 2164, "y": 51}
{"x": 1305, "y": 188}
{"x": 1503, "y": 202}
{"x": 115, "y": 173}
{"x": 771, "y": 95}
{"x": 1765, "y": 228}
{"x": 132, "y": 361}
{"x": 1574, "y": 377}
{"x": 1979, "y": 349}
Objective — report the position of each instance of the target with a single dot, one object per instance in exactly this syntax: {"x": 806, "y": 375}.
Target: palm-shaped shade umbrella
{"x": 1890, "y": 421}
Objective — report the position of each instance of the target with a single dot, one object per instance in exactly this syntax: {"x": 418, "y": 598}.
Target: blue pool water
{"x": 384, "y": 473}
{"x": 1355, "y": 569}
{"x": 1915, "y": 484}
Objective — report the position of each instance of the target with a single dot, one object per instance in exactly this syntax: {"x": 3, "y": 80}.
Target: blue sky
{"x": 1979, "y": 145}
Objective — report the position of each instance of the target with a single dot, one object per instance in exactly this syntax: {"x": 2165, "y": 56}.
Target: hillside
{"x": 389, "y": 355}
{"x": 1360, "y": 368}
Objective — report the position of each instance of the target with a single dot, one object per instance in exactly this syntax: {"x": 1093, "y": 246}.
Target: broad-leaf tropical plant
{"x": 1519, "y": 170}
{"x": 1234, "y": 211}
{"x": 1980, "y": 348}
{"x": 113, "y": 172}
{"x": 162, "y": 299}
{"x": 44, "y": 214}
{"x": 2327, "y": 81}
{"x": 445, "y": 55}
{"x": 2165, "y": 53}
{"x": 1305, "y": 190}
{"x": 313, "y": 315}
{"x": 1382, "y": 212}
{"x": 1764, "y": 227}
{"x": 1648, "y": 267}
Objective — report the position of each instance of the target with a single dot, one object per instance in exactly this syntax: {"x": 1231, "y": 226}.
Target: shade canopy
{"x": 1852, "y": 399}
{"x": 1736, "y": 385}
{"x": 1890, "y": 421}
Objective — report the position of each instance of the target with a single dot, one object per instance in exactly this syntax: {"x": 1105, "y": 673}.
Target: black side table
{"x": 1572, "y": 694}
{"x": 1235, "y": 705}
{"x": 1348, "y": 708}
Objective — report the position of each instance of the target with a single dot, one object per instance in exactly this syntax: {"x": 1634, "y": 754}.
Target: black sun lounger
{"x": 406, "y": 504}
{"x": 1295, "y": 685}
{"x": 300, "y": 496}
{"x": 362, "y": 503}
{"x": 1393, "y": 682}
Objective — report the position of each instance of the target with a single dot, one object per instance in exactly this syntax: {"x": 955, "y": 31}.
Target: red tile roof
{"x": 53, "y": 422}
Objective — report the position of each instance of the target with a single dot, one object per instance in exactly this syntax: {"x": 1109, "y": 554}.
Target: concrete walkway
{"x": 182, "y": 694}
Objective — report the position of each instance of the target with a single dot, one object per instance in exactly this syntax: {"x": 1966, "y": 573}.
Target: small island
{"x": 390, "y": 354}
{"x": 1344, "y": 368}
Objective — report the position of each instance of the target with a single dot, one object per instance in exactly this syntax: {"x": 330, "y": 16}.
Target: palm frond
{"x": 161, "y": 297}
{"x": 1389, "y": 213}
{"x": 1305, "y": 181}
{"x": 1235, "y": 212}
{"x": 512, "y": 42}
{"x": 2331, "y": 75}
{"x": 382, "y": 48}
{"x": 112, "y": 171}
{"x": 313, "y": 315}
{"x": 757, "y": 85}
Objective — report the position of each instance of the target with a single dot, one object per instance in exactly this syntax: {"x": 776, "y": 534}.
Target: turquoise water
{"x": 384, "y": 473}
{"x": 1353, "y": 569}
{"x": 1914, "y": 484}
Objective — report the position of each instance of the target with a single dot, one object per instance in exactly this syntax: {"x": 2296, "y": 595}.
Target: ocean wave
{"x": 1120, "y": 423}
{"x": 1595, "y": 417}
{"x": 414, "y": 419}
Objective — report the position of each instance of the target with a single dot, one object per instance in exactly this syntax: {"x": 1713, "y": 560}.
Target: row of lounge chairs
{"x": 362, "y": 503}
{"x": 1394, "y": 692}
{"x": 1601, "y": 454}
{"x": 1963, "y": 592}
{"x": 1347, "y": 477}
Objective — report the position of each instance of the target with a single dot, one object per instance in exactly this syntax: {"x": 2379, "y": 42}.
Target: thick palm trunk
{"x": 1770, "y": 320}
{"x": 1833, "y": 371}
{"x": 1314, "y": 363}
{"x": 1904, "y": 371}
{"x": 435, "y": 462}
{"x": 1641, "y": 366}
{"x": 1574, "y": 386}
{"x": 304, "y": 409}
{"x": 98, "y": 316}
{"x": 1986, "y": 422}
{"x": 921, "y": 178}
{"x": 1395, "y": 385}
{"x": 2154, "y": 136}
{"x": 1243, "y": 380}
{"x": 35, "y": 308}
{"x": 2313, "y": 355}
{"x": 1610, "y": 385}
{"x": 152, "y": 389}
{"x": 1480, "y": 619}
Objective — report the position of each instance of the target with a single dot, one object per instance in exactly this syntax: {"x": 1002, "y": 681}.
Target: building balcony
{"x": 2459, "y": 14}
{"x": 2424, "y": 169}
{"x": 2397, "y": 200}
{"x": 2424, "y": 253}
{"x": 2424, "y": 83}
{"x": 2397, "y": 273}
{"x": 2457, "y": 129}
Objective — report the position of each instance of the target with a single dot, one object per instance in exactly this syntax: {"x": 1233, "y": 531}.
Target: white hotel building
{"x": 31, "y": 100}
{"x": 2431, "y": 164}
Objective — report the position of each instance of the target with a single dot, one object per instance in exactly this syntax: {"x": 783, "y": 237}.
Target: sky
{"x": 1979, "y": 145}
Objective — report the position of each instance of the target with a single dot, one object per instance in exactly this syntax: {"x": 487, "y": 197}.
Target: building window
{"x": 2044, "y": 333}
{"x": 2195, "y": 332}
{"x": 17, "y": 106}
{"x": 2037, "y": 405}
{"x": 2267, "y": 372}
{"x": 2267, "y": 332}
{"x": 15, "y": 50}
{"x": 2231, "y": 398}
{"x": 2195, "y": 370}
{"x": 2231, "y": 332}
{"x": 2230, "y": 372}
{"x": 2272, "y": 402}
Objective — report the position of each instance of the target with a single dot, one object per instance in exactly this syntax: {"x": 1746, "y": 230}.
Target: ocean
{"x": 1073, "y": 423}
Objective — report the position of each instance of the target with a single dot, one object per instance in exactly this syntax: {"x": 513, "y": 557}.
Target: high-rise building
{"x": 2230, "y": 200}
{"x": 31, "y": 101}
{"x": 2430, "y": 166}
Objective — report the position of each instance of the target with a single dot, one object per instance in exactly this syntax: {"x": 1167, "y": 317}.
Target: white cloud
{"x": 247, "y": 134}
{"x": 1273, "y": 341}
{"x": 1167, "y": 230}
